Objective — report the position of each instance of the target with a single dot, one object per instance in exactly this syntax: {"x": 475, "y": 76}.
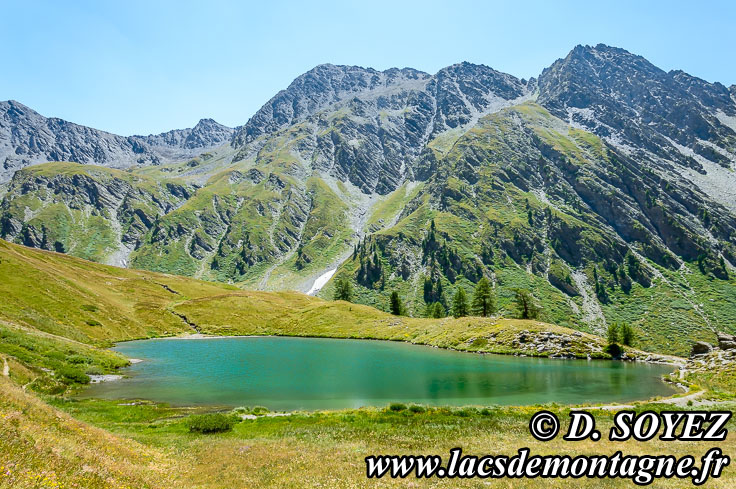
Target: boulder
{"x": 701, "y": 348}
{"x": 726, "y": 341}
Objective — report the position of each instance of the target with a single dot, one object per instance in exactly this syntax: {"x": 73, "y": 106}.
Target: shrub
{"x": 435, "y": 310}
{"x": 615, "y": 350}
{"x": 210, "y": 423}
{"x": 259, "y": 410}
{"x": 71, "y": 375}
{"x": 93, "y": 322}
{"x": 89, "y": 307}
{"x": 466, "y": 412}
{"x": 93, "y": 370}
{"x": 77, "y": 359}
{"x": 397, "y": 406}
{"x": 416, "y": 408}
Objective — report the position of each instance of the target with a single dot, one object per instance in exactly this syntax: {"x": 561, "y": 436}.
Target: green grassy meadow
{"x": 60, "y": 313}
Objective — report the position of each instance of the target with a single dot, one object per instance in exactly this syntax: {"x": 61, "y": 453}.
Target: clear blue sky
{"x": 133, "y": 67}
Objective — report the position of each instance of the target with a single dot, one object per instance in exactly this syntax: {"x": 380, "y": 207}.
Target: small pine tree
{"x": 343, "y": 290}
{"x": 460, "y": 303}
{"x": 525, "y": 304}
{"x": 627, "y": 335}
{"x": 397, "y": 307}
{"x": 612, "y": 334}
{"x": 484, "y": 301}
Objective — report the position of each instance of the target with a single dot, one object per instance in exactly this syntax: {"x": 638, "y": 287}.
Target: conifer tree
{"x": 484, "y": 300}
{"x": 525, "y": 304}
{"x": 396, "y": 306}
{"x": 343, "y": 290}
{"x": 460, "y": 303}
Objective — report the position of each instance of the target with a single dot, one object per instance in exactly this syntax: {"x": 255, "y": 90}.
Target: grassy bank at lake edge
{"x": 59, "y": 313}
{"x": 109, "y": 444}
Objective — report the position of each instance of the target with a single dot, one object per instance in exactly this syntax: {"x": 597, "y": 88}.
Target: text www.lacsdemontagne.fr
{"x": 640, "y": 469}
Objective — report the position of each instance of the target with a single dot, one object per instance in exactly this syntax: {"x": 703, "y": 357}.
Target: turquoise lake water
{"x": 314, "y": 373}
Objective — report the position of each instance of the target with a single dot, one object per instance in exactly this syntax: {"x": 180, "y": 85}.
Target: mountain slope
{"x": 369, "y": 128}
{"x": 606, "y": 186}
{"x": 28, "y": 138}
{"x": 671, "y": 118}
{"x": 92, "y": 212}
{"x": 531, "y": 202}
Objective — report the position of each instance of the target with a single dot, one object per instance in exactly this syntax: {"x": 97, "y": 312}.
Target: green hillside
{"x": 60, "y": 312}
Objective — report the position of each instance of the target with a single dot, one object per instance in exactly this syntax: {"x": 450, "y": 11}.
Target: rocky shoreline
{"x": 705, "y": 356}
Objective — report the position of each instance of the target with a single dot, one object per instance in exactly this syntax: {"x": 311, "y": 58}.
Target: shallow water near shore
{"x": 284, "y": 373}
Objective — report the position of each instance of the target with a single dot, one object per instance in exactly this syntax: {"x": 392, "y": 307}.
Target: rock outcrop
{"x": 701, "y": 348}
{"x": 726, "y": 341}
{"x": 28, "y": 138}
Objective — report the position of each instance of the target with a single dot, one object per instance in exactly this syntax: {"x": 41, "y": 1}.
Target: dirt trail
{"x": 6, "y": 368}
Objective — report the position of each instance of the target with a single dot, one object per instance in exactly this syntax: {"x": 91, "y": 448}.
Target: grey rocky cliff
{"x": 28, "y": 138}
{"x": 604, "y": 185}
{"x": 370, "y": 127}
{"x": 186, "y": 143}
{"x": 679, "y": 123}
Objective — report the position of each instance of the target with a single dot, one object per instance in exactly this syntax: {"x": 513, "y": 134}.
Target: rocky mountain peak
{"x": 186, "y": 143}
{"x": 603, "y": 184}
{"x": 27, "y": 137}
{"x": 631, "y": 103}
{"x": 465, "y": 90}
{"x": 208, "y": 133}
{"x": 315, "y": 90}
{"x": 14, "y": 109}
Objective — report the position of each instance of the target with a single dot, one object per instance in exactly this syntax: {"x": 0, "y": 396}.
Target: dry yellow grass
{"x": 42, "y": 447}
{"x": 64, "y": 306}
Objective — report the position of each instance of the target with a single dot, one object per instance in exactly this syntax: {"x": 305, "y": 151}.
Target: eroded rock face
{"x": 682, "y": 123}
{"x": 606, "y": 180}
{"x": 88, "y": 211}
{"x": 623, "y": 97}
{"x": 370, "y": 127}
{"x": 28, "y": 138}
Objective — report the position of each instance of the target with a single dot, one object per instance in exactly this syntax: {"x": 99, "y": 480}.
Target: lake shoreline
{"x": 324, "y": 345}
{"x": 638, "y": 355}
